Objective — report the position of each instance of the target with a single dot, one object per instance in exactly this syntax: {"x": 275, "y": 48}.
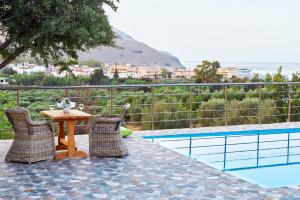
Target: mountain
{"x": 131, "y": 52}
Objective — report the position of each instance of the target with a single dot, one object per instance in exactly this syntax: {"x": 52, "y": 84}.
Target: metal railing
{"x": 164, "y": 106}
{"x": 282, "y": 147}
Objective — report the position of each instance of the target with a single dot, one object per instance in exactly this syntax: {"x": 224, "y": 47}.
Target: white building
{"x": 228, "y": 72}
{"x": 124, "y": 71}
{"x": 26, "y": 68}
{"x": 181, "y": 73}
{"x": 22, "y": 68}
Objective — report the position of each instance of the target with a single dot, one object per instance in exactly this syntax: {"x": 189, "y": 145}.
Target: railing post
{"x": 259, "y": 104}
{"x": 18, "y": 98}
{"x": 153, "y": 112}
{"x": 111, "y": 101}
{"x": 225, "y": 152}
{"x": 257, "y": 150}
{"x": 190, "y": 148}
{"x": 191, "y": 107}
{"x": 288, "y": 149}
{"x": 290, "y": 103}
{"x": 66, "y": 93}
{"x": 225, "y": 105}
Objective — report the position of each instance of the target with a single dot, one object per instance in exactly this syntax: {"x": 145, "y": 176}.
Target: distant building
{"x": 26, "y": 68}
{"x": 228, "y": 72}
{"x": 127, "y": 70}
{"x": 124, "y": 71}
{"x": 244, "y": 72}
{"x": 149, "y": 72}
{"x": 181, "y": 73}
{"x": 82, "y": 70}
{"x": 4, "y": 81}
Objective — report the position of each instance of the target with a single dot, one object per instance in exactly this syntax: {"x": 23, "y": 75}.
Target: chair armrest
{"x": 109, "y": 116}
{"x": 44, "y": 123}
{"x": 40, "y": 123}
{"x": 114, "y": 119}
{"x": 88, "y": 126}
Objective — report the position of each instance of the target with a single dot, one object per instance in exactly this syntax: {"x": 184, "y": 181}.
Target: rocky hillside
{"x": 131, "y": 52}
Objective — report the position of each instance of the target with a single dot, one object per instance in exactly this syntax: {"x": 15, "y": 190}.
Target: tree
{"x": 278, "y": 77}
{"x": 164, "y": 73}
{"x": 268, "y": 77}
{"x": 53, "y": 29}
{"x": 92, "y": 63}
{"x": 280, "y": 95}
{"x": 116, "y": 74}
{"x": 97, "y": 77}
{"x": 206, "y": 72}
{"x": 255, "y": 78}
{"x": 295, "y": 77}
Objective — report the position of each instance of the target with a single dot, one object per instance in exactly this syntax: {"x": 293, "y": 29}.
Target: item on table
{"x": 66, "y": 105}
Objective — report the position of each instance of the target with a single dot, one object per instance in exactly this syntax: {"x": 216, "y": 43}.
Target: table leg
{"x": 71, "y": 147}
{"x": 71, "y": 139}
{"x": 61, "y": 135}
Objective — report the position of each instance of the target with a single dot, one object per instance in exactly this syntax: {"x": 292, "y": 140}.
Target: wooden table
{"x": 67, "y": 144}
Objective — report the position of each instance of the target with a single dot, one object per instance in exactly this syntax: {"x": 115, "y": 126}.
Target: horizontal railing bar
{"x": 241, "y": 151}
{"x": 262, "y": 166}
{"x": 142, "y": 85}
{"x": 255, "y": 158}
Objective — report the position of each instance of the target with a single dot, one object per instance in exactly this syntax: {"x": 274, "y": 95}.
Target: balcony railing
{"x": 164, "y": 106}
{"x": 240, "y": 150}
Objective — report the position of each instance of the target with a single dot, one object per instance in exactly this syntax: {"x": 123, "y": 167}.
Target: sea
{"x": 288, "y": 68}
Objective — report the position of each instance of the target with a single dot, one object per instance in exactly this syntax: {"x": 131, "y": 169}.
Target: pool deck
{"x": 149, "y": 172}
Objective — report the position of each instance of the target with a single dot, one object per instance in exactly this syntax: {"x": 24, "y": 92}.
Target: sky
{"x": 223, "y": 30}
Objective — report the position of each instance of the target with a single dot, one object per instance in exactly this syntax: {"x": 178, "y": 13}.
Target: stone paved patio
{"x": 149, "y": 172}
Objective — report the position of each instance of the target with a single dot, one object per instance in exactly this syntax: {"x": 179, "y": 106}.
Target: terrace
{"x": 151, "y": 170}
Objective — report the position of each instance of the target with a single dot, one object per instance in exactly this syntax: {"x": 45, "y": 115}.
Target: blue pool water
{"x": 270, "y": 158}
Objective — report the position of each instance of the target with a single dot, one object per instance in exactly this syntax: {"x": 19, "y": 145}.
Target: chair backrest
{"x": 123, "y": 114}
{"x": 96, "y": 123}
{"x": 125, "y": 110}
{"x": 20, "y": 120}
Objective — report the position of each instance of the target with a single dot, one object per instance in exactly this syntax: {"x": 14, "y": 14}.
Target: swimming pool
{"x": 269, "y": 158}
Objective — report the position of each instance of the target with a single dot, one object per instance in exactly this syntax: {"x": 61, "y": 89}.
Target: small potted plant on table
{"x": 66, "y": 105}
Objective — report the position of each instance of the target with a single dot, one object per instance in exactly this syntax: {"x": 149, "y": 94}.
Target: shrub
{"x": 211, "y": 113}
{"x": 168, "y": 114}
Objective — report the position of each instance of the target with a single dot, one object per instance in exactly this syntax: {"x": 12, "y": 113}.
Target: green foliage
{"x": 42, "y": 79}
{"x": 211, "y": 113}
{"x": 7, "y": 101}
{"x": 295, "y": 77}
{"x": 54, "y": 29}
{"x": 255, "y": 78}
{"x": 165, "y": 73}
{"x": 116, "y": 75}
{"x": 171, "y": 104}
{"x": 92, "y": 63}
{"x": 131, "y": 81}
{"x": 243, "y": 112}
{"x": 268, "y": 77}
{"x": 97, "y": 77}
{"x": 206, "y": 72}
{"x": 169, "y": 113}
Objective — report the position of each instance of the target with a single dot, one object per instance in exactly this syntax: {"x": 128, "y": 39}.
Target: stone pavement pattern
{"x": 149, "y": 172}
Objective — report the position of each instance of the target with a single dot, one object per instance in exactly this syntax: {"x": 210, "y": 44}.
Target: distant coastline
{"x": 257, "y": 67}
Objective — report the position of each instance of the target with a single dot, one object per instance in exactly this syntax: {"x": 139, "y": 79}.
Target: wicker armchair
{"x": 104, "y": 135}
{"x": 34, "y": 141}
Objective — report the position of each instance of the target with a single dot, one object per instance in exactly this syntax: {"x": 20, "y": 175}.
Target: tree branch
{"x": 5, "y": 45}
{"x": 12, "y": 56}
